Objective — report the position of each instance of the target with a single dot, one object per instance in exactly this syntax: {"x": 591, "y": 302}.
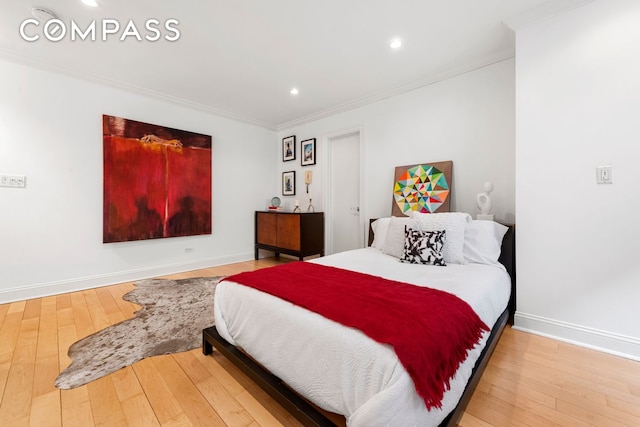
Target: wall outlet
{"x": 17, "y": 181}
{"x": 188, "y": 250}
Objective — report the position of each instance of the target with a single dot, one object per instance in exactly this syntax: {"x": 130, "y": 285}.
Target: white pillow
{"x": 454, "y": 224}
{"x": 380, "y": 227}
{"x": 483, "y": 241}
{"x": 394, "y": 242}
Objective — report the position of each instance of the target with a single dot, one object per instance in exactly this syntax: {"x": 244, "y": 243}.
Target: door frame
{"x": 327, "y": 198}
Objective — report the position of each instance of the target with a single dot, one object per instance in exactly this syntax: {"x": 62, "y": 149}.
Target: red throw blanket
{"x": 431, "y": 331}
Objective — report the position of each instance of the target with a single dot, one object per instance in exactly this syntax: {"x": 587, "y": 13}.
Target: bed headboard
{"x": 507, "y": 258}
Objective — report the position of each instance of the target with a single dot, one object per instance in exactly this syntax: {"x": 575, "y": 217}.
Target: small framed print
{"x": 289, "y": 183}
{"x": 289, "y": 148}
{"x": 308, "y": 152}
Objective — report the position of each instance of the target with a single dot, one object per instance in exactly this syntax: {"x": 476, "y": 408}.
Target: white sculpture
{"x": 483, "y": 202}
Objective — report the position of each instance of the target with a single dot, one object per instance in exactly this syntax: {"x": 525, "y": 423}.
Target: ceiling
{"x": 240, "y": 58}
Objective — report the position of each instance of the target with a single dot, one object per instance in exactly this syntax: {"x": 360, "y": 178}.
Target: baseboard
{"x": 608, "y": 342}
{"x": 40, "y": 290}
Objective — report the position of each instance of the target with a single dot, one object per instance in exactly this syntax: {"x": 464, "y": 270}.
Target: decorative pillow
{"x": 394, "y": 241}
{"x": 380, "y": 227}
{"x": 423, "y": 247}
{"x": 454, "y": 224}
{"x": 483, "y": 241}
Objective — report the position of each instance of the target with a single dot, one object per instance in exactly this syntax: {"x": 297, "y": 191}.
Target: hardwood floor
{"x": 530, "y": 380}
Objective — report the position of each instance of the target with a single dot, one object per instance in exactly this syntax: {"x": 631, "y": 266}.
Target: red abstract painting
{"x": 157, "y": 181}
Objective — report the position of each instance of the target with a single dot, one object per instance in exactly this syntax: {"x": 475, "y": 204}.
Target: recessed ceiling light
{"x": 294, "y": 91}
{"x": 90, "y": 3}
{"x": 395, "y": 44}
{"x": 42, "y": 14}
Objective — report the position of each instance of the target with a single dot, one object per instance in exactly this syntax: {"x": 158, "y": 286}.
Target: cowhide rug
{"x": 171, "y": 320}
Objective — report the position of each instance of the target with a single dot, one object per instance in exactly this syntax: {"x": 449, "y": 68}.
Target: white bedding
{"x": 340, "y": 369}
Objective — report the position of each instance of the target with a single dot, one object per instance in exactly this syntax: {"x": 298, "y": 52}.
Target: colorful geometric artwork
{"x": 424, "y": 188}
{"x": 157, "y": 181}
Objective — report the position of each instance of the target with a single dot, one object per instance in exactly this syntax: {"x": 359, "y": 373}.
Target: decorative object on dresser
{"x": 289, "y": 183}
{"x": 171, "y": 320}
{"x": 484, "y": 203}
{"x": 297, "y": 234}
{"x": 308, "y": 178}
{"x": 276, "y": 204}
{"x": 423, "y": 187}
{"x": 308, "y": 150}
{"x": 289, "y": 148}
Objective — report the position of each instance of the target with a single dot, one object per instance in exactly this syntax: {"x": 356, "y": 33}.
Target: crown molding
{"x": 94, "y": 78}
{"x": 371, "y": 98}
{"x": 543, "y": 11}
{"x": 399, "y": 89}
{"x": 337, "y": 109}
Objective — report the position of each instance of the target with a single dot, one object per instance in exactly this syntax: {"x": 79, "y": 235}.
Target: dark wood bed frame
{"x": 307, "y": 413}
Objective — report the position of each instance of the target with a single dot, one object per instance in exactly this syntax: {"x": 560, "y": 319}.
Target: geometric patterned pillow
{"x": 423, "y": 247}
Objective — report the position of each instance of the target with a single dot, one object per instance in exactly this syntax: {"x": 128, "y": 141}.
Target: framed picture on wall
{"x": 289, "y": 183}
{"x": 308, "y": 150}
{"x": 289, "y": 148}
{"x": 144, "y": 195}
{"x": 423, "y": 187}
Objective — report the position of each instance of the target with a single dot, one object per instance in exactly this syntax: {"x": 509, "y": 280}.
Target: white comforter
{"x": 340, "y": 369}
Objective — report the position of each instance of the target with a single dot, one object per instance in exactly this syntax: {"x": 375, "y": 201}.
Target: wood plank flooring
{"x": 530, "y": 380}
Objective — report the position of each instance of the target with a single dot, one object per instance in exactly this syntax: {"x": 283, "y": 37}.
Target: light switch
{"x": 603, "y": 175}
{"x": 18, "y": 181}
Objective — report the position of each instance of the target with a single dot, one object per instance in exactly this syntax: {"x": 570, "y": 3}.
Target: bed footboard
{"x": 306, "y": 413}
{"x": 455, "y": 415}
{"x": 302, "y": 410}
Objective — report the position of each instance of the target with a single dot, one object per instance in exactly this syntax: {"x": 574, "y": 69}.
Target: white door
{"x": 343, "y": 198}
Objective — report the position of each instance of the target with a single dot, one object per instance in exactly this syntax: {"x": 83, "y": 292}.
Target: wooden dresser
{"x": 298, "y": 234}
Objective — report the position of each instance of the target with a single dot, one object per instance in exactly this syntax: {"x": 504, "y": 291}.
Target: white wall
{"x": 577, "y": 107}
{"x": 468, "y": 119}
{"x": 51, "y": 231}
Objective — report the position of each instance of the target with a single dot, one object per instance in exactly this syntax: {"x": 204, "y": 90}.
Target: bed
{"x": 306, "y": 361}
